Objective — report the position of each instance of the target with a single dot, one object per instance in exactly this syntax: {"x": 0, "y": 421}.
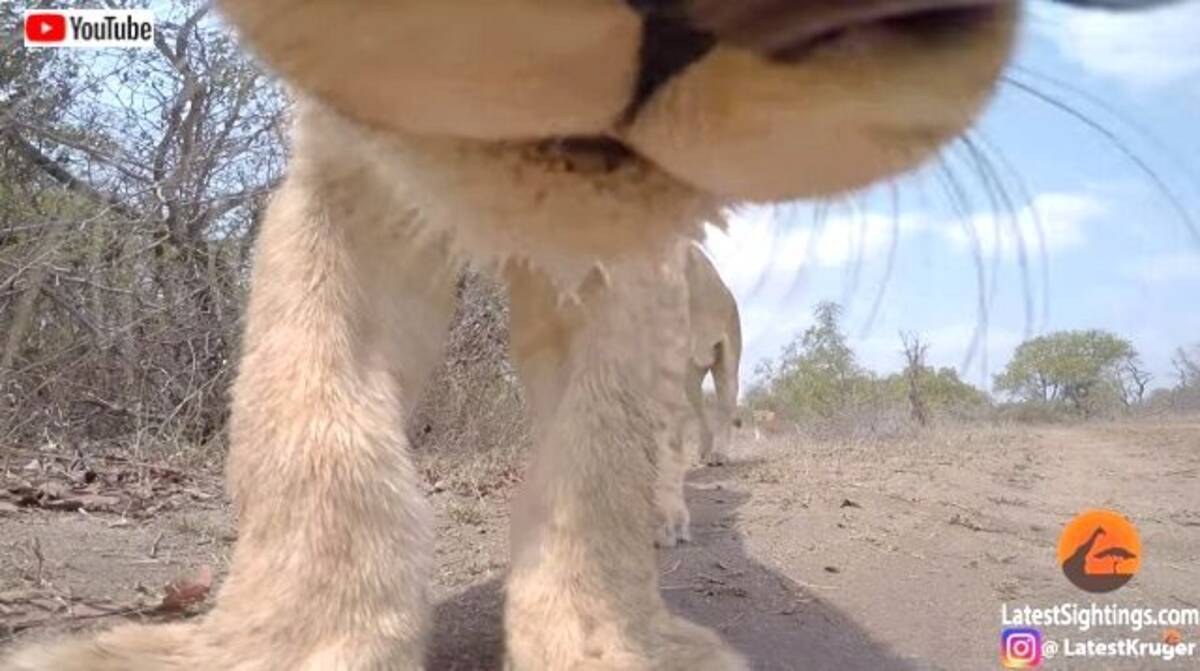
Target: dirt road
{"x": 890, "y": 556}
{"x": 901, "y": 560}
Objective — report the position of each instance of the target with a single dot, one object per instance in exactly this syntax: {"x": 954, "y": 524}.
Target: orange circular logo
{"x": 1099, "y": 551}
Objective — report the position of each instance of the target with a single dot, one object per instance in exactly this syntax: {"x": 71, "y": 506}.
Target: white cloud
{"x": 772, "y": 245}
{"x": 1053, "y": 222}
{"x": 1143, "y": 50}
{"x": 766, "y": 253}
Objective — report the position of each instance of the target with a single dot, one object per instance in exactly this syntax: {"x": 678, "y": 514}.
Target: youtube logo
{"x": 90, "y": 28}
{"x": 45, "y": 28}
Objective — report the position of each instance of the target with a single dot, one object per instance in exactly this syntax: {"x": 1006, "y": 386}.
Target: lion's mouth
{"x": 678, "y": 33}
{"x": 590, "y": 154}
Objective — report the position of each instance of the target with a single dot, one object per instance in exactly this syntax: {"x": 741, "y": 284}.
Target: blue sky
{"x": 1103, "y": 246}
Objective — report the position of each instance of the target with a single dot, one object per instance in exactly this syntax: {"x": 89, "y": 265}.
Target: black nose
{"x": 676, "y": 33}
{"x": 670, "y": 42}
{"x": 788, "y": 30}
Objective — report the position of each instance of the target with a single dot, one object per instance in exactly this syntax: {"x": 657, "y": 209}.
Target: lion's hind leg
{"x": 725, "y": 382}
{"x": 674, "y": 521}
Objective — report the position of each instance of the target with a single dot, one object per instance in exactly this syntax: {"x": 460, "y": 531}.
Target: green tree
{"x": 817, "y": 374}
{"x": 941, "y": 389}
{"x": 1080, "y": 369}
{"x": 817, "y": 377}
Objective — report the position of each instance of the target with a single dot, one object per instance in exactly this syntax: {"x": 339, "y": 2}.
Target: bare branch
{"x": 64, "y": 177}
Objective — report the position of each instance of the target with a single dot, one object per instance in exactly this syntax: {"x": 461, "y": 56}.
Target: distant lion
{"x": 713, "y": 346}
{"x": 716, "y": 331}
{"x": 763, "y": 419}
{"x": 571, "y": 145}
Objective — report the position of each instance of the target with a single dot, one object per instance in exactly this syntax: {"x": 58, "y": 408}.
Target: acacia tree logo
{"x": 1099, "y": 551}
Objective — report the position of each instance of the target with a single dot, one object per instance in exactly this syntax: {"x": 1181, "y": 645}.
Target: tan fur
{"x": 716, "y": 349}
{"x": 713, "y": 346}
{"x": 411, "y": 154}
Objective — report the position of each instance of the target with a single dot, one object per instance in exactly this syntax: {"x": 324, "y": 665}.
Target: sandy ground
{"x": 896, "y": 555}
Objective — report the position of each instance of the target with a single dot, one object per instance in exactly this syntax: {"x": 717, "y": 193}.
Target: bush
{"x": 818, "y": 384}
{"x": 1088, "y": 372}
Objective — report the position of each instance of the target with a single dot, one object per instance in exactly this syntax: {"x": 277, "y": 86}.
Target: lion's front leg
{"x": 347, "y": 316}
{"x": 346, "y": 319}
{"x": 583, "y": 589}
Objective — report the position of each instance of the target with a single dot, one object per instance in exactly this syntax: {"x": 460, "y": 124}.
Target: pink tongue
{"x": 781, "y": 26}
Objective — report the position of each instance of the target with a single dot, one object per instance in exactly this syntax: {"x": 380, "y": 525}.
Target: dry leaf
{"x": 87, "y": 501}
{"x": 18, "y": 595}
{"x": 52, "y": 490}
{"x": 187, "y": 590}
{"x": 98, "y": 502}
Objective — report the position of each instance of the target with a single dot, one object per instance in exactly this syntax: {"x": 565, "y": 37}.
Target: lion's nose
{"x": 671, "y": 41}
{"x": 679, "y": 32}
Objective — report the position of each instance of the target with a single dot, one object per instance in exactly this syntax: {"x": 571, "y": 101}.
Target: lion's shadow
{"x": 774, "y": 621}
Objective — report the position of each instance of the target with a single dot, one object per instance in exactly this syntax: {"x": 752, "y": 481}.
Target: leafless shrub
{"x": 130, "y": 184}
{"x": 470, "y": 431}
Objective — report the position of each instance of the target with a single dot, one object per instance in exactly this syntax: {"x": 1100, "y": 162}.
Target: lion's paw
{"x": 674, "y": 526}
{"x": 669, "y": 535}
{"x": 674, "y": 645}
{"x": 688, "y": 646}
{"x": 716, "y": 458}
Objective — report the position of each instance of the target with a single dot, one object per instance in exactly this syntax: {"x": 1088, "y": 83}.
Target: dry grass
{"x": 467, "y": 512}
{"x": 469, "y": 433}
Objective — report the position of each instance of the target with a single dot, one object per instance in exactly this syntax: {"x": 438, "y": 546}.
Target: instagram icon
{"x": 1021, "y": 648}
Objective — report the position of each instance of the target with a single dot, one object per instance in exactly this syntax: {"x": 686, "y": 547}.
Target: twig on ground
{"x": 154, "y": 546}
